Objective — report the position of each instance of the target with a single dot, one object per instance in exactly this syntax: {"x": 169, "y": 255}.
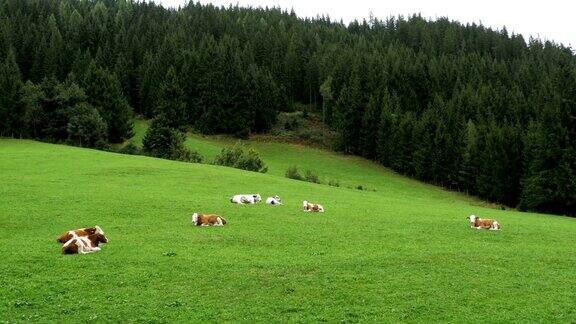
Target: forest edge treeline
{"x": 462, "y": 106}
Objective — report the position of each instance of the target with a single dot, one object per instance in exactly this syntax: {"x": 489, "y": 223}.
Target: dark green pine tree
{"x": 424, "y": 132}
{"x": 190, "y": 68}
{"x": 171, "y": 104}
{"x": 53, "y": 55}
{"x": 149, "y": 76}
{"x": 293, "y": 67}
{"x": 348, "y": 113}
{"x": 469, "y": 166}
{"x": 402, "y": 145}
{"x": 66, "y": 96}
{"x": 11, "y": 108}
{"x": 85, "y": 126}
{"x": 499, "y": 165}
{"x": 222, "y": 89}
{"x": 370, "y": 125}
{"x": 105, "y": 93}
{"x": 165, "y": 142}
{"x": 387, "y": 127}
{"x": 35, "y": 118}
{"x": 548, "y": 183}
{"x": 263, "y": 99}
{"x": 56, "y": 120}
{"x": 327, "y": 100}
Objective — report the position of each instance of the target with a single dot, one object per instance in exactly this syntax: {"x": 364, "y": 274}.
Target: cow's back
{"x": 485, "y": 223}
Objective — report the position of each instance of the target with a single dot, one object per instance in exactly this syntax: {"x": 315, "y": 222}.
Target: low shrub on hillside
{"x": 241, "y": 158}
{"x": 131, "y": 149}
{"x": 167, "y": 143}
{"x": 334, "y": 183}
{"x": 363, "y": 188}
{"x": 293, "y": 173}
{"x": 291, "y": 124}
{"x": 311, "y": 177}
{"x": 303, "y": 128}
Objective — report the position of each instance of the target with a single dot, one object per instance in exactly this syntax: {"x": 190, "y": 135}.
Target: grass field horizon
{"x": 403, "y": 252}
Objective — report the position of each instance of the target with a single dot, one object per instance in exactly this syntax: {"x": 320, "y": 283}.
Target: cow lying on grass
{"x": 246, "y": 199}
{"x": 84, "y": 244}
{"x": 274, "y": 200}
{"x": 208, "y": 220}
{"x": 483, "y": 223}
{"x": 79, "y": 232}
{"x": 311, "y": 207}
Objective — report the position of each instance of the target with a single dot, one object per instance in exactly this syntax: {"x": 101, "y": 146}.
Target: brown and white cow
{"x": 311, "y": 207}
{"x": 483, "y": 223}
{"x": 208, "y": 220}
{"x": 79, "y": 232}
{"x": 84, "y": 244}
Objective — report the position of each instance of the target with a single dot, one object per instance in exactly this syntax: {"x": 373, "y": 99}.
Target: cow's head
{"x": 98, "y": 238}
{"x": 257, "y": 197}
{"x": 102, "y": 238}
{"x": 495, "y": 225}
{"x": 472, "y": 219}
{"x": 98, "y": 230}
{"x": 277, "y": 198}
{"x": 195, "y": 217}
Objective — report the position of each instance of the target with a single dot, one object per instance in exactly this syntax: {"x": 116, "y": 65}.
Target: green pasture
{"x": 402, "y": 252}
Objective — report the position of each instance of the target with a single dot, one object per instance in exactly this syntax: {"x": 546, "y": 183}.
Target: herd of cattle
{"x": 217, "y": 220}
{"x": 87, "y": 240}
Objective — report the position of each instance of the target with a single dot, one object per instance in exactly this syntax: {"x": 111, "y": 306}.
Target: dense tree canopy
{"x": 462, "y": 106}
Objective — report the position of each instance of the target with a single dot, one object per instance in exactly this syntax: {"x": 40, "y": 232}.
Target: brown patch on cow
{"x": 79, "y": 232}
{"x": 64, "y": 237}
{"x": 88, "y": 231}
{"x": 483, "y": 223}
{"x": 209, "y": 219}
{"x": 71, "y": 248}
{"x": 312, "y": 207}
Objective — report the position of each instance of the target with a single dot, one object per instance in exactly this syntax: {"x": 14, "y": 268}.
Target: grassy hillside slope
{"x": 350, "y": 171}
{"x": 402, "y": 253}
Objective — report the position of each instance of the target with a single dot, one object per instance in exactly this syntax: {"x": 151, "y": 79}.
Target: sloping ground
{"x": 401, "y": 253}
{"x": 349, "y": 171}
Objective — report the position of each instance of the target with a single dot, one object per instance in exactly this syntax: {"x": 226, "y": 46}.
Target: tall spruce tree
{"x": 11, "y": 112}
{"x": 548, "y": 181}
{"x": 370, "y": 125}
{"x": 348, "y": 113}
{"x": 105, "y": 93}
{"x": 171, "y": 103}
{"x": 264, "y": 99}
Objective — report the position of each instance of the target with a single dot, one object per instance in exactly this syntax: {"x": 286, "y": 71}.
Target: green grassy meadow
{"x": 401, "y": 253}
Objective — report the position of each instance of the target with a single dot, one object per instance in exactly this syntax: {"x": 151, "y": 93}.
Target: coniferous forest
{"x": 462, "y": 106}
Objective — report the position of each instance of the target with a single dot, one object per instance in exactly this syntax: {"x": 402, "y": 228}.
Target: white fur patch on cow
{"x": 246, "y": 199}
